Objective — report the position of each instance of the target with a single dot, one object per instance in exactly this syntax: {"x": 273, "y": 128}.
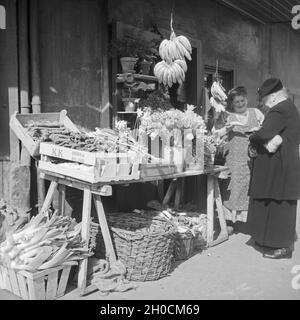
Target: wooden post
{"x": 178, "y": 195}
{"x": 224, "y": 233}
{"x": 210, "y": 208}
{"x": 110, "y": 252}
{"x": 61, "y": 199}
{"x": 49, "y": 196}
{"x": 41, "y": 190}
{"x": 85, "y": 234}
{"x": 170, "y": 192}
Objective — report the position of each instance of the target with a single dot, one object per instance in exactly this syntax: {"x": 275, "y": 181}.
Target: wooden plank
{"x": 53, "y": 150}
{"x": 178, "y": 194}
{"x": 110, "y": 252}
{"x": 224, "y": 233}
{"x": 7, "y": 280}
{"x": 143, "y": 143}
{"x": 170, "y": 192}
{"x": 52, "y": 283}
{"x": 188, "y": 146}
{"x": 110, "y": 167}
{"x": 166, "y": 150}
{"x": 155, "y": 149}
{"x": 103, "y": 190}
{"x": 63, "y": 281}
{"x": 189, "y": 173}
{"x": 49, "y": 196}
{"x": 61, "y": 199}
{"x": 9, "y": 79}
{"x": 37, "y": 289}
{"x": 2, "y": 280}
{"x": 69, "y": 172}
{"x": 85, "y": 234}
{"x": 14, "y": 282}
{"x": 210, "y": 208}
{"x": 23, "y": 286}
{"x": 124, "y": 166}
{"x": 41, "y": 188}
{"x": 200, "y": 148}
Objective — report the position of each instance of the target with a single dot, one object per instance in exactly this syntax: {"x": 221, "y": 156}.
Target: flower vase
{"x": 145, "y": 67}
{"x": 128, "y": 64}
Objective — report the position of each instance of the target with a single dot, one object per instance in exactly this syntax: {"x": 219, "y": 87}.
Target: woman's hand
{"x": 252, "y": 130}
{"x": 229, "y": 127}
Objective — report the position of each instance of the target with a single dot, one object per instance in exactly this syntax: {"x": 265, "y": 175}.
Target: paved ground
{"x": 231, "y": 270}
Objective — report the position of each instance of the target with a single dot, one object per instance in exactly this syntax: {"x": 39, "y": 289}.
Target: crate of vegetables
{"x": 33, "y": 128}
{"x": 101, "y": 156}
{"x": 48, "y": 284}
{"x": 36, "y": 258}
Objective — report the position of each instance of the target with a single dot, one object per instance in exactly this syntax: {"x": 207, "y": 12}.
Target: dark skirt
{"x": 272, "y": 223}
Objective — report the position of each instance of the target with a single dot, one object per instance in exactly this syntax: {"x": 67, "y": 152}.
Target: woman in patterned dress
{"x": 241, "y": 120}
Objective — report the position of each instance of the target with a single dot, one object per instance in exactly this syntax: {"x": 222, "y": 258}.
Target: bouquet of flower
{"x": 162, "y": 123}
{"x": 211, "y": 144}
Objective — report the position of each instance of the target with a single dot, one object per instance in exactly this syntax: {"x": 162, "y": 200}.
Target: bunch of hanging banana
{"x": 218, "y": 91}
{"x": 169, "y": 72}
{"x": 219, "y": 97}
{"x": 175, "y": 48}
{"x": 173, "y": 52}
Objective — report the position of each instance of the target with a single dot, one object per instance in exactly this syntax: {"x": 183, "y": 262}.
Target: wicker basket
{"x": 184, "y": 245}
{"x": 144, "y": 243}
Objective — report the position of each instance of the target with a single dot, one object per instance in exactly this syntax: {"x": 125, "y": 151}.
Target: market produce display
{"x": 173, "y": 53}
{"x": 100, "y": 140}
{"x": 44, "y": 242}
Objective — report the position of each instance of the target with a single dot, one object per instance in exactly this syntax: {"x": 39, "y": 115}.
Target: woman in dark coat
{"x": 275, "y": 181}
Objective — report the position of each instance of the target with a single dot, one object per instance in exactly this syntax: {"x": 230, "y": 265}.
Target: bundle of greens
{"x": 46, "y": 241}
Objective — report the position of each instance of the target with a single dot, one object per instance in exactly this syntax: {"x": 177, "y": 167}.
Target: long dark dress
{"x": 275, "y": 181}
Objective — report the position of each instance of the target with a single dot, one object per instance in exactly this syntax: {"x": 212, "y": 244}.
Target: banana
{"x": 182, "y": 64}
{"x": 180, "y": 48}
{"x": 162, "y": 48}
{"x": 170, "y": 82}
{"x": 165, "y": 76}
{"x": 177, "y": 54}
{"x": 173, "y": 73}
{"x": 181, "y": 72}
{"x": 185, "y": 42}
{"x": 172, "y": 52}
{"x": 187, "y": 54}
{"x": 183, "y": 51}
{"x": 177, "y": 71}
{"x": 158, "y": 68}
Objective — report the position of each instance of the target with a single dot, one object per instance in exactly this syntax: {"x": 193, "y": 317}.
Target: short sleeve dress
{"x": 235, "y": 189}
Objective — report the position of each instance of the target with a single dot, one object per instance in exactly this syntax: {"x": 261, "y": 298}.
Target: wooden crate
{"x": 175, "y": 151}
{"x": 98, "y": 166}
{"x": 48, "y": 284}
{"x": 18, "y": 122}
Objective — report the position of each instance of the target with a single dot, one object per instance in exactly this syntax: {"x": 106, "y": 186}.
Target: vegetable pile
{"x": 100, "y": 140}
{"x": 45, "y": 242}
{"x": 41, "y": 130}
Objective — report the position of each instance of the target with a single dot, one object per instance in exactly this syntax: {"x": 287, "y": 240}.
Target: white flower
{"x": 121, "y": 125}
